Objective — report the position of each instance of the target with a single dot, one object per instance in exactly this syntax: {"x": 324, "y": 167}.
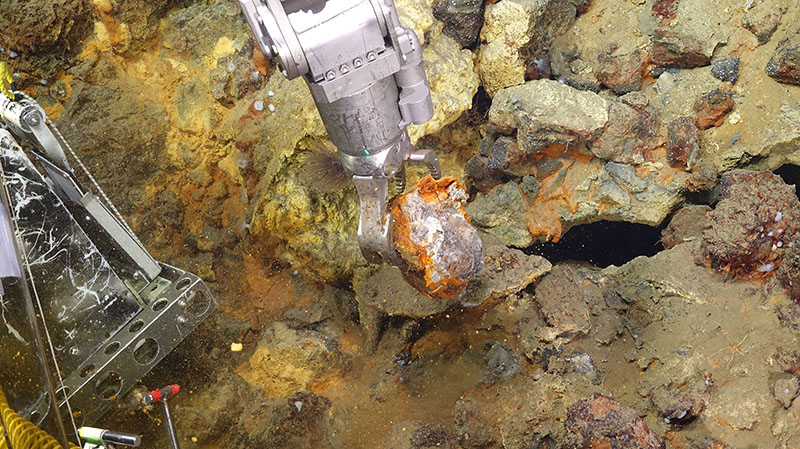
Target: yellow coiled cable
{"x": 22, "y": 433}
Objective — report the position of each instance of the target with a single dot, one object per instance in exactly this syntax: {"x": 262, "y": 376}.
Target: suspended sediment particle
{"x": 435, "y": 238}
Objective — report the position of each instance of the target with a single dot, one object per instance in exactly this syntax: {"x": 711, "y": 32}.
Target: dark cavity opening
{"x": 791, "y": 175}
{"x": 602, "y": 244}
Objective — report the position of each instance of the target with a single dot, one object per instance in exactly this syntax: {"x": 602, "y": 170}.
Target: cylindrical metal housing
{"x": 366, "y": 122}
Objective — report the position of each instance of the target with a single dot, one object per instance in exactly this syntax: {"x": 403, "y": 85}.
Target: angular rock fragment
{"x": 462, "y": 19}
{"x": 674, "y": 49}
{"x": 601, "y": 422}
{"x": 682, "y": 143}
{"x": 622, "y": 73}
{"x": 632, "y": 130}
{"x": 786, "y": 390}
{"x": 785, "y": 63}
{"x": 433, "y": 235}
{"x": 685, "y": 225}
{"x": 712, "y": 107}
{"x": 756, "y": 218}
{"x": 502, "y": 213}
{"x": 763, "y": 19}
{"x": 546, "y": 112}
{"x": 561, "y": 302}
{"x": 726, "y": 69}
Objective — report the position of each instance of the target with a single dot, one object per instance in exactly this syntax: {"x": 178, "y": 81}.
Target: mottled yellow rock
{"x": 505, "y": 31}
{"x": 453, "y": 81}
{"x": 289, "y": 360}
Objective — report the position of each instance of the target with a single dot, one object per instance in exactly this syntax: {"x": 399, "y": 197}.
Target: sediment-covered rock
{"x": 419, "y": 435}
{"x": 546, "y": 112}
{"x": 633, "y": 129}
{"x": 561, "y": 302}
{"x": 502, "y": 213}
{"x": 622, "y": 73}
{"x": 600, "y": 421}
{"x": 685, "y": 225}
{"x": 762, "y": 18}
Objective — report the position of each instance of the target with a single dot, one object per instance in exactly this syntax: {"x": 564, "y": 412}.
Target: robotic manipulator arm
{"x": 365, "y": 73}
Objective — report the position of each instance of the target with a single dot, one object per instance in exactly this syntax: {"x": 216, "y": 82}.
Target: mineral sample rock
{"x": 685, "y": 225}
{"x": 434, "y": 236}
{"x": 599, "y": 421}
{"x": 683, "y": 143}
{"x": 712, "y": 107}
{"x": 785, "y": 64}
{"x": 788, "y": 360}
{"x": 545, "y": 112}
{"x": 755, "y": 219}
{"x": 419, "y": 435}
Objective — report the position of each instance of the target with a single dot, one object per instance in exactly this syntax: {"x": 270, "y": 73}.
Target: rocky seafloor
{"x": 562, "y": 118}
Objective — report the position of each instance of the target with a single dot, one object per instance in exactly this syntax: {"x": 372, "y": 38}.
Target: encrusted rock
{"x": 685, "y": 225}
{"x": 622, "y": 73}
{"x": 683, "y": 143}
{"x": 763, "y": 18}
{"x": 561, "y": 302}
{"x": 789, "y": 272}
{"x": 462, "y": 19}
{"x": 433, "y": 235}
{"x": 726, "y": 69}
{"x": 502, "y": 213}
{"x": 788, "y": 360}
{"x": 712, "y": 443}
{"x": 546, "y": 112}
{"x": 712, "y": 107}
{"x": 785, "y": 64}
{"x": 755, "y": 219}
{"x": 601, "y": 422}
{"x": 505, "y": 32}
{"x": 786, "y": 390}
{"x": 789, "y": 314}
{"x": 682, "y": 404}
{"x": 632, "y": 130}
{"x": 673, "y": 49}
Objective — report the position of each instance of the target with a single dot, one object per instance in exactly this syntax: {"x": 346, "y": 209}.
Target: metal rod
{"x": 31, "y": 312}
{"x": 173, "y": 435}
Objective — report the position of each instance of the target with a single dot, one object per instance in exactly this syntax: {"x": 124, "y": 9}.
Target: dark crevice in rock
{"x": 602, "y": 243}
{"x": 791, "y": 175}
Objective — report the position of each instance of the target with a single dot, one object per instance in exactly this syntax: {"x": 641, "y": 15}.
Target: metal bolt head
{"x": 181, "y": 319}
{"x": 344, "y": 69}
{"x": 329, "y": 75}
{"x": 371, "y": 56}
{"x": 357, "y": 62}
{"x": 74, "y": 350}
{"x": 32, "y": 119}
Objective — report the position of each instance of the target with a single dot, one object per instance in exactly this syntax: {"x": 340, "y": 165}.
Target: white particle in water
{"x": 769, "y": 234}
{"x": 231, "y": 67}
{"x": 766, "y": 267}
{"x": 43, "y": 82}
{"x": 271, "y": 107}
{"x": 786, "y": 391}
{"x": 258, "y": 105}
{"x": 298, "y": 405}
{"x": 779, "y": 244}
{"x": 779, "y": 216}
{"x": 271, "y": 93}
{"x": 683, "y": 413}
{"x": 12, "y": 54}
